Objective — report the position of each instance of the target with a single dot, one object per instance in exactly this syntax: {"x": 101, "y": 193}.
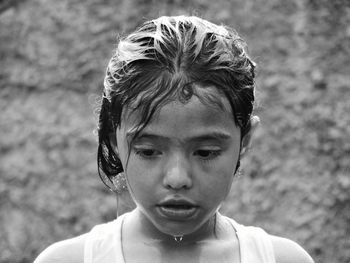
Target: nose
{"x": 177, "y": 174}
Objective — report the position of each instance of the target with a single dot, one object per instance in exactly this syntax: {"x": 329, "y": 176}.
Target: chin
{"x": 177, "y": 229}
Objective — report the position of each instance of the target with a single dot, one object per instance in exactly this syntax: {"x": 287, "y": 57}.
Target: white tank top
{"x": 103, "y": 243}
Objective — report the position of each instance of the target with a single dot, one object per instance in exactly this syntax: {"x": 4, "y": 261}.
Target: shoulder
{"x": 70, "y": 250}
{"x": 288, "y": 251}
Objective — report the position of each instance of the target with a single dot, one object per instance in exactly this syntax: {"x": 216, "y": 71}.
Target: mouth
{"x": 177, "y": 209}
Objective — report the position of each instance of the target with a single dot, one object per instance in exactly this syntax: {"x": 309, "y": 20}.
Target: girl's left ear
{"x": 247, "y": 139}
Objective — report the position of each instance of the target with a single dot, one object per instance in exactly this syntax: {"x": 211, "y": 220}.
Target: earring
{"x": 239, "y": 172}
{"x": 119, "y": 182}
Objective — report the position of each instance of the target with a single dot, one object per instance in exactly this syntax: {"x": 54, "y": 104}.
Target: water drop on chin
{"x": 178, "y": 238}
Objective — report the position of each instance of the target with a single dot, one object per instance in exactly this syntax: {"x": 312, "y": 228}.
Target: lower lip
{"x": 177, "y": 213}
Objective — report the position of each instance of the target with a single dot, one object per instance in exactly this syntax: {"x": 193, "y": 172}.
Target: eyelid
{"x": 144, "y": 148}
{"x": 209, "y": 148}
{"x": 141, "y": 150}
{"x": 212, "y": 153}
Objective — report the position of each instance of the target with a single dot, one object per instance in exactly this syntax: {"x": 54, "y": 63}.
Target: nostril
{"x": 178, "y": 186}
{"x": 177, "y": 181}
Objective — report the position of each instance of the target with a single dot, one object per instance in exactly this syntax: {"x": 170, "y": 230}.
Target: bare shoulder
{"x": 288, "y": 251}
{"x": 67, "y": 251}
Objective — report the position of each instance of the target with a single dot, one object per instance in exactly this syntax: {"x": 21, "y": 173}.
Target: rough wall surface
{"x": 296, "y": 180}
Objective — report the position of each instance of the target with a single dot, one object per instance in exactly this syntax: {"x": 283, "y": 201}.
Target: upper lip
{"x": 177, "y": 201}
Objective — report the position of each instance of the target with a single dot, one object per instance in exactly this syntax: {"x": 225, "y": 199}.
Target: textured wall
{"x": 296, "y": 180}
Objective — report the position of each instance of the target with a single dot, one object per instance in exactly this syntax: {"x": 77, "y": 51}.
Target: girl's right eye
{"x": 147, "y": 153}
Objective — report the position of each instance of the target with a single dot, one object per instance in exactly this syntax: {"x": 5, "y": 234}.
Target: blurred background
{"x": 296, "y": 180}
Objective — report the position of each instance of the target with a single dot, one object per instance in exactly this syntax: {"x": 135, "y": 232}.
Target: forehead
{"x": 206, "y": 112}
{"x": 196, "y": 110}
{"x": 209, "y": 96}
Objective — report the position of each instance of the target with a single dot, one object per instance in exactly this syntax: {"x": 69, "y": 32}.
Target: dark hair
{"x": 163, "y": 60}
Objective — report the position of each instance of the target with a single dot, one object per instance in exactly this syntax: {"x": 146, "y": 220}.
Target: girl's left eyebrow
{"x": 220, "y": 136}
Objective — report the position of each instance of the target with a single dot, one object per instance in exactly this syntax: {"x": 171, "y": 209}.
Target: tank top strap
{"x": 103, "y": 243}
{"x": 255, "y": 244}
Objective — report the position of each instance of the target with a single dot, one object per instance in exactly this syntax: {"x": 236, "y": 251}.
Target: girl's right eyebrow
{"x": 147, "y": 136}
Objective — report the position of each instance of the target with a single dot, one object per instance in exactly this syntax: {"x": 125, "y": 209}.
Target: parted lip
{"x": 180, "y": 201}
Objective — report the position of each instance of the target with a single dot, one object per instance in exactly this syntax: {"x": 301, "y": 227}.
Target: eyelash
{"x": 152, "y": 153}
{"x": 142, "y": 153}
{"x": 212, "y": 154}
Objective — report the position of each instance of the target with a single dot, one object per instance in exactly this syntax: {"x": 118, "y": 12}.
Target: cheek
{"x": 220, "y": 187}
{"x": 140, "y": 180}
{"x": 218, "y": 179}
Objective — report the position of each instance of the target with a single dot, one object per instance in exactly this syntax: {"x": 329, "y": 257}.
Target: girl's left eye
{"x": 207, "y": 154}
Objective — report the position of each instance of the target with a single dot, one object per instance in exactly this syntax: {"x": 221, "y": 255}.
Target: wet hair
{"x": 167, "y": 59}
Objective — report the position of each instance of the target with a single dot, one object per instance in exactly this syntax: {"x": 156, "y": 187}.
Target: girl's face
{"x": 181, "y": 166}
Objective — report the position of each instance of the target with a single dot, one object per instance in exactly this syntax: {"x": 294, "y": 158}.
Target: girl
{"x": 176, "y": 117}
